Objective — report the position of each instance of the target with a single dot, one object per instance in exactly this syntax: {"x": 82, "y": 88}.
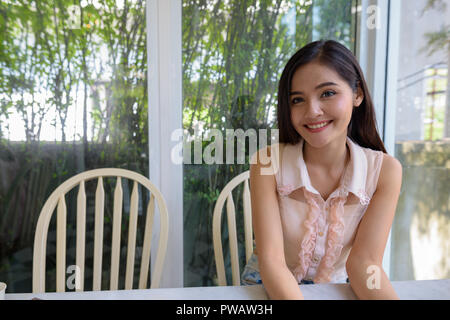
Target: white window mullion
{"x": 391, "y": 95}
{"x": 371, "y": 51}
{"x": 165, "y": 116}
{"x": 377, "y": 50}
{"x": 392, "y": 75}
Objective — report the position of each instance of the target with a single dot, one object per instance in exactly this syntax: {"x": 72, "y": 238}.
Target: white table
{"x": 406, "y": 290}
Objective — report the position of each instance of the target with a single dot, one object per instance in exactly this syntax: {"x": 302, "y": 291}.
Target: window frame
{"x": 377, "y": 52}
{"x": 164, "y": 52}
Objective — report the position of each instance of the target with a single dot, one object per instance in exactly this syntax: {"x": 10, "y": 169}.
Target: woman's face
{"x": 321, "y": 104}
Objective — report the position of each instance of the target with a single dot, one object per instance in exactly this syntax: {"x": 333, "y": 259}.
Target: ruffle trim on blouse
{"x": 335, "y": 237}
{"x": 364, "y": 199}
{"x": 309, "y": 240}
{"x": 334, "y": 241}
{"x": 285, "y": 190}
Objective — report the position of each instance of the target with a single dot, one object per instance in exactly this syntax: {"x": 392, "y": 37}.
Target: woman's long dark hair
{"x": 362, "y": 127}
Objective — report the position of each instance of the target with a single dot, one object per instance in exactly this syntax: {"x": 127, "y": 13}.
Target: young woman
{"x": 323, "y": 211}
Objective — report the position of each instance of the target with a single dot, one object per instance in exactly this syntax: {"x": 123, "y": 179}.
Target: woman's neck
{"x": 331, "y": 158}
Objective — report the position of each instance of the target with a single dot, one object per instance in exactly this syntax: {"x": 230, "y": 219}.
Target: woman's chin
{"x": 319, "y": 141}
{"x": 316, "y": 140}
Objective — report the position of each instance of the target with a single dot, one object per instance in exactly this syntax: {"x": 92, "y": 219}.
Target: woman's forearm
{"x": 280, "y": 283}
{"x": 370, "y": 282}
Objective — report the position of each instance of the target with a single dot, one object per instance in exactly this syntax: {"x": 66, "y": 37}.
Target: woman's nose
{"x": 313, "y": 109}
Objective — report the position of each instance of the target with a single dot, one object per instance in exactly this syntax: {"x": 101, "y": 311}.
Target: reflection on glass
{"x": 73, "y": 97}
{"x": 233, "y": 54}
{"x": 421, "y": 229}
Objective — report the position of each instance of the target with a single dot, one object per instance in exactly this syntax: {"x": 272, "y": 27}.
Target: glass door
{"x": 421, "y": 229}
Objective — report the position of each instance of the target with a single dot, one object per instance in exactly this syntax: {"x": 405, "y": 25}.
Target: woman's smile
{"x": 318, "y": 126}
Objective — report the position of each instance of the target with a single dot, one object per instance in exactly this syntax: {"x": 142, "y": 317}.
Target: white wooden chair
{"x": 57, "y": 199}
{"x": 226, "y": 194}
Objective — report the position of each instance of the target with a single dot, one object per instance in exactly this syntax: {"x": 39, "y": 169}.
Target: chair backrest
{"x": 57, "y": 199}
{"x": 226, "y": 194}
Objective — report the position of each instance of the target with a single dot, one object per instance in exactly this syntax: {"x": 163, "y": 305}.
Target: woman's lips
{"x": 314, "y": 130}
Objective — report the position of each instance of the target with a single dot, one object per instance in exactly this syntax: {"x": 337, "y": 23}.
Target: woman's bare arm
{"x": 278, "y": 280}
{"x": 364, "y": 264}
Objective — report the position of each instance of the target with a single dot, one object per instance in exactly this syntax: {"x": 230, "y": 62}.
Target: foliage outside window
{"x": 436, "y": 86}
{"x": 73, "y": 97}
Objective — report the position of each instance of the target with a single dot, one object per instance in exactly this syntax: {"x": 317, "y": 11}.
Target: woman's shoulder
{"x": 390, "y": 173}
{"x": 382, "y": 169}
{"x": 262, "y": 161}
{"x": 272, "y": 158}
{"x": 374, "y": 158}
{"x": 271, "y": 151}
{"x": 384, "y": 161}
{"x": 391, "y": 169}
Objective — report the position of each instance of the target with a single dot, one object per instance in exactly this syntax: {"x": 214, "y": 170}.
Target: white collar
{"x": 354, "y": 179}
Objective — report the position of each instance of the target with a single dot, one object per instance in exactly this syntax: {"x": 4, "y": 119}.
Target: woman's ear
{"x": 358, "y": 96}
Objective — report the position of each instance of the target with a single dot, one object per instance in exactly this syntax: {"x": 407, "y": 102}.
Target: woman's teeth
{"x": 317, "y": 126}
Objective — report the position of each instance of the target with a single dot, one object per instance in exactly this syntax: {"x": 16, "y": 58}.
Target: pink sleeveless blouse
{"x": 318, "y": 235}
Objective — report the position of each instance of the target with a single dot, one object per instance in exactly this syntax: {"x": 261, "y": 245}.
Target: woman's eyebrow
{"x": 323, "y": 84}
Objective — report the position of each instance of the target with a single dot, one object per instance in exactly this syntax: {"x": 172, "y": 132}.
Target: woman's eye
{"x": 328, "y": 93}
{"x": 296, "y": 100}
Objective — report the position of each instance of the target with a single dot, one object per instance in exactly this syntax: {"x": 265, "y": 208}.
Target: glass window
{"x": 73, "y": 97}
{"x": 233, "y": 55}
{"x": 421, "y": 229}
